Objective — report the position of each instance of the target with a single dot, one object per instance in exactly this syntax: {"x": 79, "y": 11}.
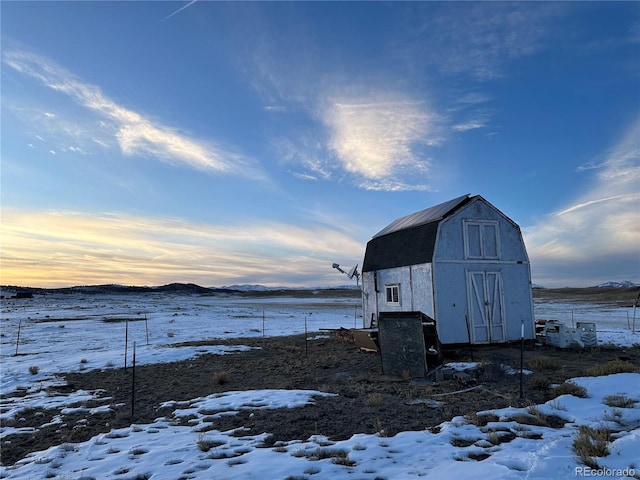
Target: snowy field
{"x": 62, "y": 333}
{"x": 613, "y": 323}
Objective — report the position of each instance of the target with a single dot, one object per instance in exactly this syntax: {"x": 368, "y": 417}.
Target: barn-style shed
{"x": 462, "y": 263}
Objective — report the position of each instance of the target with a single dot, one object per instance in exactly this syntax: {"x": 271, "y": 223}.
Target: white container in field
{"x": 561, "y": 336}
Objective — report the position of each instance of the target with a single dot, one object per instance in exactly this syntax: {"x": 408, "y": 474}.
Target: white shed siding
{"x": 414, "y": 285}
{"x": 451, "y": 279}
{"x": 422, "y": 289}
{"x": 369, "y": 298}
{"x": 451, "y": 302}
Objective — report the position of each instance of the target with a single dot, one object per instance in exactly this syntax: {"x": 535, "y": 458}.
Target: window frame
{"x": 483, "y": 242}
{"x": 389, "y": 291}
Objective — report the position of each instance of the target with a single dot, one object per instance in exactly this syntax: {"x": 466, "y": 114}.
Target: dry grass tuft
{"x": 34, "y": 369}
{"x": 542, "y": 362}
{"x": 220, "y": 378}
{"x": 374, "y": 399}
{"x": 380, "y": 429}
{"x": 312, "y": 470}
{"x": 570, "y": 388}
{"x": 591, "y": 442}
{"x": 343, "y": 459}
{"x": 500, "y": 437}
{"x": 538, "y": 415}
{"x": 556, "y": 405}
{"x": 205, "y": 444}
{"x": 481, "y": 420}
{"x": 478, "y": 456}
{"x": 337, "y": 456}
{"x": 614, "y": 366}
{"x": 533, "y": 416}
{"x": 615, "y": 415}
{"x": 493, "y": 438}
{"x": 619, "y": 400}
{"x": 539, "y": 382}
{"x": 462, "y": 442}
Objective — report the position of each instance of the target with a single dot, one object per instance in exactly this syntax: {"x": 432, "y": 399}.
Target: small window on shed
{"x": 393, "y": 293}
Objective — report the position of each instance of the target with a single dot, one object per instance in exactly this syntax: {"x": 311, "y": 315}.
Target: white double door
{"x": 486, "y": 306}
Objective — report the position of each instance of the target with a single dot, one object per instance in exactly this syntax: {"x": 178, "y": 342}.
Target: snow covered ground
{"x": 61, "y": 333}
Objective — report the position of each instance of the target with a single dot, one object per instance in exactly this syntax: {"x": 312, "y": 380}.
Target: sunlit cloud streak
{"x": 71, "y": 248}
{"x": 600, "y": 231}
{"x": 135, "y": 133}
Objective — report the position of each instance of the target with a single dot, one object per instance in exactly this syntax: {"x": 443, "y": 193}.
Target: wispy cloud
{"x": 376, "y": 139}
{"x": 477, "y": 39}
{"x": 305, "y": 155}
{"x": 134, "y": 133}
{"x": 75, "y": 135}
{"x": 473, "y": 98}
{"x": 600, "y": 231}
{"x": 62, "y": 248}
{"x": 470, "y": 125}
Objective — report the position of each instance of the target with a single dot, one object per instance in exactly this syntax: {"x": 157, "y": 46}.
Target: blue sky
{"x": 236, "y": 142}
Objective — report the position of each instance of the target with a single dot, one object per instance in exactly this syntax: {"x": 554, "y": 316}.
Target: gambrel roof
{"x": 428, "y": 215}
{"x": 409, "y": 240}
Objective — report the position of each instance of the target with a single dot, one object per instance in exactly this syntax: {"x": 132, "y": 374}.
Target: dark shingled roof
{"x": 409, "y": 240}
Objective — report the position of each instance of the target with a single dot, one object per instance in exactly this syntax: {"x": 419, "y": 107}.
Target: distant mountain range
{"x": 116, "y": 288}
{"x": 625, "y": 284}
{"x": 176, "y": 288}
